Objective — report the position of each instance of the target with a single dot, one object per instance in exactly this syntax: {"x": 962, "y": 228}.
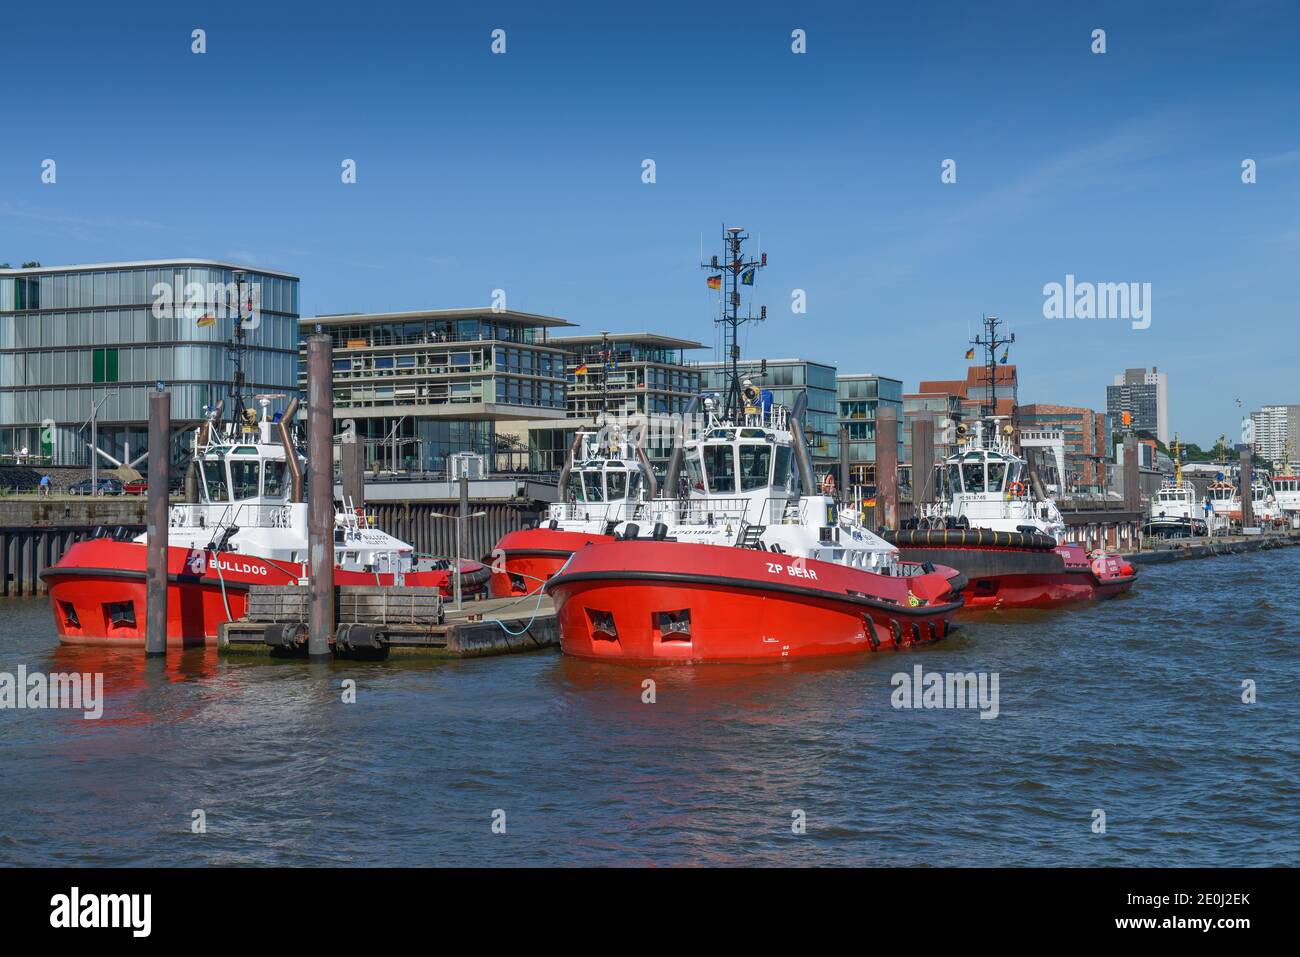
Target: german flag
{"x": 207, "y": 319}
{"x": 715, "y": 282}
{"x": 970, "y": 353}
{"x": 581, "y": 370}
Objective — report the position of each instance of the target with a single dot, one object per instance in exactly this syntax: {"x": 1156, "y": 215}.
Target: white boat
{"x": 987, "y": 484}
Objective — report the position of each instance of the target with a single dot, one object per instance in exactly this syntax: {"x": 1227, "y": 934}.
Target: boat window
{"x": 997, "y": 472}
{"x": 243, "y": 478}
{"x": 972, "y": 476}
{"x": 755, "y": 463}
{"x": 273, "y": 478}
{"x": 633, "y": 484}
{"x": 214, "y": 480}
{"x": 694, "y": 472}
{"x": 781, "y": 475}
{"x": 617, "y": 482}
{"x": 1015, "y": 474}
{"x": 595, "y": 488}
{"x": 952, "y": 480}
{"x": 719, "y": 463}
{"x": 574, "y": 491}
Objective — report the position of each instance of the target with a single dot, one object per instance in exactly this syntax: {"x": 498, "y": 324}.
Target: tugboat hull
{"x": 97, "y": 591}
{"x": 651, "y": 602}
{"x": 526, "y": 559}
{"x": 1000, "y": 577}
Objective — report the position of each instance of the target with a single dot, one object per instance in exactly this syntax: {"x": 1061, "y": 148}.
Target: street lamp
{"x": 463, "y": 516}
{"x": 94, "y": 441}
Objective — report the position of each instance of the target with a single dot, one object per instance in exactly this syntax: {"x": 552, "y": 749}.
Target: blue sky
{"x": 523, "y": 171}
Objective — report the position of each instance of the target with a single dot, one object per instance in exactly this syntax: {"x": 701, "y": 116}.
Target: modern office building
{"x": 1145, "y": 395}
{"x": 973, "y": 390}
{"x": 1277, "y": 433}
{"x": 421, "y": 385}
{"x": 944, "y": 409}
{"x": 860, "y": 398}
{"x": 786, "y": 378}
{"x": 1087, "y": 441}
{"x": 97, "y": 337}
{"x": 624, "y": 373}
{"x": 628, "y": 373}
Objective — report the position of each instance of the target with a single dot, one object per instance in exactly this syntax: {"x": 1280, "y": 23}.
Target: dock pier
{"x": 377, "y": 622}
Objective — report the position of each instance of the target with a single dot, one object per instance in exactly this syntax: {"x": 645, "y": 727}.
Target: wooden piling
{"x": 160, "y": 428}
{"x": 1132, "y": 475}
{"x": 922, "y": 462}
{"x": 1247, "y": 477}
{"x": 320, "y": 494}
{"x": 352, "y": 470}
{"x": 886, "y": 467}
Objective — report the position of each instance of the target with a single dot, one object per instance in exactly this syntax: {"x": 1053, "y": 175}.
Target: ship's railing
{"x": 720, "y": 511}
{"x": 618, "y": 511}
{"x": 244, "y": 515}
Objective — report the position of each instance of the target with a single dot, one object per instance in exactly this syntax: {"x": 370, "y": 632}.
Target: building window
{"x": 104, "y": 365}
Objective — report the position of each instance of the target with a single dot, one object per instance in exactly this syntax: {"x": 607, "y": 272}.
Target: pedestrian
{"x": 45, "y": 486}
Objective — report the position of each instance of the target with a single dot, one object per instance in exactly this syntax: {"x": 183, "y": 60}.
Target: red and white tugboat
{"x": 605, "y": 476}
{"x": 996, "y": 523}
{"x": 739, "y": 567}
{"x": 248, "y": 526}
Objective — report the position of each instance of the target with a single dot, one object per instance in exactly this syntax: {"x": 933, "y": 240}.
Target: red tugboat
{"x": 604, "y": 479}
{"x": 247, "y": 525}
{"x": 748, "y": 563}
{"x": 997, "y": 525}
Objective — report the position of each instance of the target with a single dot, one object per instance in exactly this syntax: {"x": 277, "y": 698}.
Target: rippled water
{"x": 1132, "y": 706}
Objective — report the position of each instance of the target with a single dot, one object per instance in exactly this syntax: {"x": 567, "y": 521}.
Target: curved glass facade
{"x": 76, "y": 337}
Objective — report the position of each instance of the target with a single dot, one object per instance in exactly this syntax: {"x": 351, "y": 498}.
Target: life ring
{"x": 828, "y": 483}
{"x": 1016, "y": 489}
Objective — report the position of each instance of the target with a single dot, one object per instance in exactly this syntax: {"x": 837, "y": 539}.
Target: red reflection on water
{"x": 130, "y": 678}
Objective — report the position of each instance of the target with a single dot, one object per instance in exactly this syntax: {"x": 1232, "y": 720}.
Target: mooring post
{"x": 1132, "y": 476}
{"x": 844, "y": 463}
{"x": 320, "y": 495}
{"x": 461, "y": 519}
{"x": 1246, "y": 480}
{"x": 352, "y": 470}
{"x": 922, "y": 462}
{"x": 886, "y": 467}
{"x": 160, "y": 430}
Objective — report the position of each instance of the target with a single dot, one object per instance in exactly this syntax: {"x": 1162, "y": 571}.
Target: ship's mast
{"x": 1178, "y": 462}
{"x": 733, "y": 271}
{"x": 991, "y": 342}
{"x": 237, "y": 350}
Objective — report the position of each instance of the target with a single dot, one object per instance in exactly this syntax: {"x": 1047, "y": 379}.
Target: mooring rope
{"x": 541, "y": 593}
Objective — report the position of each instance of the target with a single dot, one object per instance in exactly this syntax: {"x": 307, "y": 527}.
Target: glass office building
{"x": 419, "y": 386}
{"x": 860, "y": 399}
{"x": 77, "y": 338}
{"x": 786, "y": 378}
{"x": 626, "y": 373}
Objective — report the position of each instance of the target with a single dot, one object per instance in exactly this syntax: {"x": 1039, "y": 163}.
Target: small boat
{"x": 741, "y": 568}
{"x": 996, "y": 524}
{"x": 1175, "y": 511}
{"x": 605, "y": 476}
{"x": 1286, "y": 491}
{"x": 246, "y": 526}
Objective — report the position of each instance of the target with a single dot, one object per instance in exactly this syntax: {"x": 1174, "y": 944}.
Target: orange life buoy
{"x": 828, "y": 483}
{"x": 1016, "y": 489}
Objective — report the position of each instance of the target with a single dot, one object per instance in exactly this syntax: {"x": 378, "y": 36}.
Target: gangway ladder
{"x": 751, "y": 536}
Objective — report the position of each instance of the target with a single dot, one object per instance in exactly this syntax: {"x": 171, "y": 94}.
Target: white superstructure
{"x": 986, "y": 484}
{"x": 739, "y": 491}
{"x": 250, "y": 501}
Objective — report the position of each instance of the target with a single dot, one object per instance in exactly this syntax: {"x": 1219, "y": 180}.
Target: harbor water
{"x": 1132, "y": 708}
